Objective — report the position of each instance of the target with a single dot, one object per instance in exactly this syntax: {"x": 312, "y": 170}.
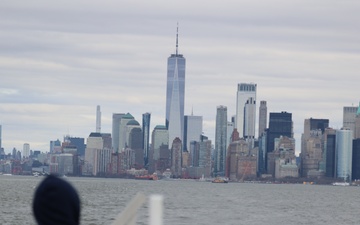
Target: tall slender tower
{"x": 262, "y": 117}
{"x": 220, "y": 140}
{"x": 245, "y": 113}
{"x": 98, "y": 119}
{"x": 175, "y": 94}
{"x": 249, "y": 118}
{"x": 146, "y": 136}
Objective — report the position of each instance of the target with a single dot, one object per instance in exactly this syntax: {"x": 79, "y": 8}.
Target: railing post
{"x": 156, "y": 210}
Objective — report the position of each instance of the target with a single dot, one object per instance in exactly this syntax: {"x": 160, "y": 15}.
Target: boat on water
{"x": 341, "y": 184}
{"x": 202, "y": 178}
{"x": 147, "y": 177}
{"x": 219, "y": 180}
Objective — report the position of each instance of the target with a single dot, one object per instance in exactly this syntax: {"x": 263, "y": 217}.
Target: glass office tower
{"x": 175, "y": 95}
{"x": 343, "y": 153}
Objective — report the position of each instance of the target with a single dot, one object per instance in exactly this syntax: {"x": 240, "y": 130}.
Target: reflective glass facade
{"x": 146, "y": 136}
{"x": 175, "y": 96}
{"x": 343, "y": 153}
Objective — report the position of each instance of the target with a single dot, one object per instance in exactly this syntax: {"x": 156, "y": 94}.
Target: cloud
{"x": 59, "y": 60}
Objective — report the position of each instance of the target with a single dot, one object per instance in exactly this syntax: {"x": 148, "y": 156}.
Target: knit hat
{"x": 56, "y": 202}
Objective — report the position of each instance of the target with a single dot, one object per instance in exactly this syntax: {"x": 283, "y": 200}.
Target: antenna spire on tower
{"x": 177, "y": 37}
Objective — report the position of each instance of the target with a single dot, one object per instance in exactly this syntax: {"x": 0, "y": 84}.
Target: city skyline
{"x": 58, "y": 63}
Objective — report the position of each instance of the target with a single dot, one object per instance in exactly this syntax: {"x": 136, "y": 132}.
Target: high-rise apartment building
{"x": 116, "y": 118}
{"x": 175, "y": 95}
{"x": 262, "y": 117}
{"x": 343, "y": 153}
{"x": 246, "y": 109}
{"x": 97, "y": 153}
{"x": 192, "y": 130}
{"x": 220, "y": 140}
{"x": 146, "y": 136}
{"x": 98, "y": 119}
{"x": 261, "y": 168}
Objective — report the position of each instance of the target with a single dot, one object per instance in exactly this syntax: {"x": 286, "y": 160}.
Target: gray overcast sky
{"x": 60, "y": 59}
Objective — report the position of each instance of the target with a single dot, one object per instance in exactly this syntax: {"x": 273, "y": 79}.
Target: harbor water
{"x": 193, "y": 202}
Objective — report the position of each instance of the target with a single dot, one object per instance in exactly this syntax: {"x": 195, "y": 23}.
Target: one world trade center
{"x": 175, "y": 95}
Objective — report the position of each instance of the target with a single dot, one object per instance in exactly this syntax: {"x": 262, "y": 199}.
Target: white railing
{"x": 128, "y": 216}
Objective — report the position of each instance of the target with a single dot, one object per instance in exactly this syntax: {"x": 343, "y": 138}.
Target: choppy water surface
{"x": 191, "y": 202}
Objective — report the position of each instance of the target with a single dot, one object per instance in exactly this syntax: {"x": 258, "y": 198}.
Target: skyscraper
{"x": 349, "y": 116}
{"x": 116, "y": 118}
{"x": 313, "y": 146}
{"x": 97, "y": 153}
{"x": 220, "y": 140}
{"x": 262, "y": 117}
{"x": 160, "y": 137}
{"x": 98, "y": 119}
{"x": 330, "y": 144}
{"x": 78, "y": 142}
{"x": 159, "y": 156}
{"x": 122, "y": 130}
{"x": 357, "y": 124}
{"x": 280, "y": 124}
{"x": 146, "y": 136}
{"x": 356, "y": 159}
{"x": 176, "y": 158}
{"x": 343, "y": 153}
{"x": 192, "y": 130}
{"x": 26, "y": 150}
{"x": 246, "y": 109}
{"x": 55, "y": 146}
{"x": 175, "y": 95}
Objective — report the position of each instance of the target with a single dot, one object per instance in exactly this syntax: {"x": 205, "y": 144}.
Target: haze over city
{"x": 59, "y": 61}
